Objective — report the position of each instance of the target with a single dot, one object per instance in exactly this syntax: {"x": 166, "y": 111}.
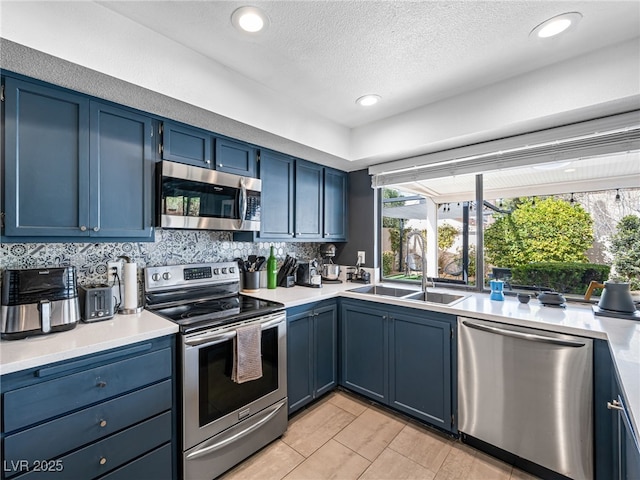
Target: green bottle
{"x": 272, "y": 270}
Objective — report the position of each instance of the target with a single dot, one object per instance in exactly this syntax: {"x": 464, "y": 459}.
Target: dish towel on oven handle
{"x": 247, "y": 354}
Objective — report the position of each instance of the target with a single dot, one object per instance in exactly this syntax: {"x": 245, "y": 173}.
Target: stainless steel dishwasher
{"x": 527, "y": 392}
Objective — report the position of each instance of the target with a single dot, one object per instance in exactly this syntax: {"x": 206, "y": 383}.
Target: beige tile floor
{"x": 342, "y": 437}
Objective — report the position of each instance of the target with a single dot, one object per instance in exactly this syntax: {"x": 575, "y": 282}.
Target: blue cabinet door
{"x": 325, "y": 346}
{"x": 121, "y": 175}
{"x": 276, "y": 216}
{"x": 335, "y": 204}
{"x": 46, "y": 161}
{"x": 235, "y": 157}
{"x": 420, "y": 367}
{"x": 364, "y": 349}
{"x": 186, "y": 145}
{"x": 299, "y": 358}
{"x": 309, "y": 200}
{"x": 312, "y": 352}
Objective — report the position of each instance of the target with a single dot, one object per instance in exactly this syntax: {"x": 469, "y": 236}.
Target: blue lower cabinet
{"x": 420, "y": 368}
{"x": 617, "y": 450}
{"x": 101, "y": 457}
{"x": 364, "y": 352}
{"x": 89, "y": 416}
{"x": 311, "y": 352}
{"x": 403, "y": 358}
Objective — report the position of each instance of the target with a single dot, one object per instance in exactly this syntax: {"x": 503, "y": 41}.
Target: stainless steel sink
{"x": 429, "y": 297}
{"x": 386, "y": 291}
{"x": 435, "y": 297}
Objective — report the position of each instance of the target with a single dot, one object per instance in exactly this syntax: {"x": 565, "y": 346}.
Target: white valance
{"x": 617, "y": 133}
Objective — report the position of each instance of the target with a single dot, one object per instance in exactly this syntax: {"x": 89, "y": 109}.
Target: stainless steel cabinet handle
{"x": 103, "y": 461}
{"x": 220, "y": 165}
{"x": 83, "y": 228}
{"x": 95, "y": 229}
{"x": 532, "y": 337}
{"x": 103, "y": 423}
{"x": 614, "y": 405}
{"x": 207, "y": 162}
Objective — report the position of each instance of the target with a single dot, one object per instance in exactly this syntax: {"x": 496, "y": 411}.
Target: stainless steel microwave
{"x": 199, "y": 198}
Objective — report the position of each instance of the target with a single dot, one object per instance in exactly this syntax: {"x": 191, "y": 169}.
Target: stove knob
{"x": 232, "y": 270}
{"x": 224, "y": 271}
{"x": 216, "y": 271}
{"x": 155, "y": 277}
{"x": 166, "y": 275}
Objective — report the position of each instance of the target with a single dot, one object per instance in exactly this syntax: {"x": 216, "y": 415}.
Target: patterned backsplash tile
{"x": 171, "y": 247}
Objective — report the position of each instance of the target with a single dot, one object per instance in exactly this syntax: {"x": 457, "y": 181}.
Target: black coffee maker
{"x": 38, "y": 301}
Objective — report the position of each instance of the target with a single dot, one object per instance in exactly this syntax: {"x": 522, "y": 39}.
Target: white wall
{"x": 601, "y": 83}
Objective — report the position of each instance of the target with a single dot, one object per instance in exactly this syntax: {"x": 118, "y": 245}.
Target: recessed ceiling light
{"x": 556, "y": 25}
{"x": 368, "y": 100}
{"x": 249, "y": 19}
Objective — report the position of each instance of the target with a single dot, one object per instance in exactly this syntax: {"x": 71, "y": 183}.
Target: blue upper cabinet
{"x": 46, "y": 161}
{"x": 276, "y": 213}
{"x": 122, "y": 168}
{"x": 186, "y": 145}
{"x": 235, "y": 157}
{"x": 308, "y": 216}
{"x": 335, "y": 202}
{"x": 74, "y": 168}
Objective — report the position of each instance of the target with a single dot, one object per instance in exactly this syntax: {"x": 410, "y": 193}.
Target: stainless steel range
{"x": 223, "y": 421}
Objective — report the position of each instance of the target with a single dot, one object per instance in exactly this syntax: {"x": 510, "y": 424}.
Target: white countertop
{"x": 623, "y": 336}
{"x": 84, "y": 339}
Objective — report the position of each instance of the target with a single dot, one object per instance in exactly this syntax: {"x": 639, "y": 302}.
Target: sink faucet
{"x": 424, "y": 257}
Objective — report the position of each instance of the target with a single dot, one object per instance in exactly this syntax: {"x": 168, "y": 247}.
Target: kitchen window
{"x": 501, "y": 215}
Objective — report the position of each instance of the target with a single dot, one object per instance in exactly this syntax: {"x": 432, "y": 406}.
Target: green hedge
{"x": 564, "y": 277}
{"x": 388, "y": 259}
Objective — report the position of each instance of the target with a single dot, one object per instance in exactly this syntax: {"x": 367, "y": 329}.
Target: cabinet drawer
{"x": 156, "y": 465}
{"x": 112, "y": 452}
{"x": 72, "y": 431}
{"x": 28, "y": 405}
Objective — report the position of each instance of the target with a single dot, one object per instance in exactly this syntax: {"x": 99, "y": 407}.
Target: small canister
{"x": 496, "y": 290}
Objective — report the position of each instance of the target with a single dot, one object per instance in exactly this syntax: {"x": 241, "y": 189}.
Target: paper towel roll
{"x": 130, "y": 286}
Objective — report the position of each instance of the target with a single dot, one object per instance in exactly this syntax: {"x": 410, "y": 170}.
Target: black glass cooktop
{"x": 196, "y": 315}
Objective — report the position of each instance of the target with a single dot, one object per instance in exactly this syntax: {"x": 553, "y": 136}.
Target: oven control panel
{"x": 170, "y": 276}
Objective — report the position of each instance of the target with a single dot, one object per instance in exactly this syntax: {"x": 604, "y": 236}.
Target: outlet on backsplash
{"x": 114, "y": 269}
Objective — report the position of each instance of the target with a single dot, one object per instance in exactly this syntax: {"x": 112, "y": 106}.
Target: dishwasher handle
{"x": 532, "y": 337}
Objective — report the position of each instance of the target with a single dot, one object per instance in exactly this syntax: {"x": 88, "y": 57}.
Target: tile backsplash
{"x": 171, "y": 247}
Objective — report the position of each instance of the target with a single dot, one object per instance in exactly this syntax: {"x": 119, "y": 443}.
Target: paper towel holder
{"x": 129, "y": 311}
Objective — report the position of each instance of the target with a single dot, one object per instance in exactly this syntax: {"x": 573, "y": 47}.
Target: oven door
{"x": 212, "y": 402}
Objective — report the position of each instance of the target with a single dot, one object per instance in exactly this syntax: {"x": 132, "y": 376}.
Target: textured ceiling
{"x": 325, "y": 54}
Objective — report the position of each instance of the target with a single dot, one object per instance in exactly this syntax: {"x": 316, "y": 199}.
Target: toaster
{"x": 38, "y": 301}
{"x": 96, "y": 302}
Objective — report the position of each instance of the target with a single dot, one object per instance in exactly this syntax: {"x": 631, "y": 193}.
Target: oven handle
{"x": 221, "y": 337}
{"x": 222, "y": 443}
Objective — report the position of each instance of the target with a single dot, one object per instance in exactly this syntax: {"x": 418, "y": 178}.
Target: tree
{"x": 447, "y": 234}
{"x": 547, "y": 230}
{"x": 625, "y": 247}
